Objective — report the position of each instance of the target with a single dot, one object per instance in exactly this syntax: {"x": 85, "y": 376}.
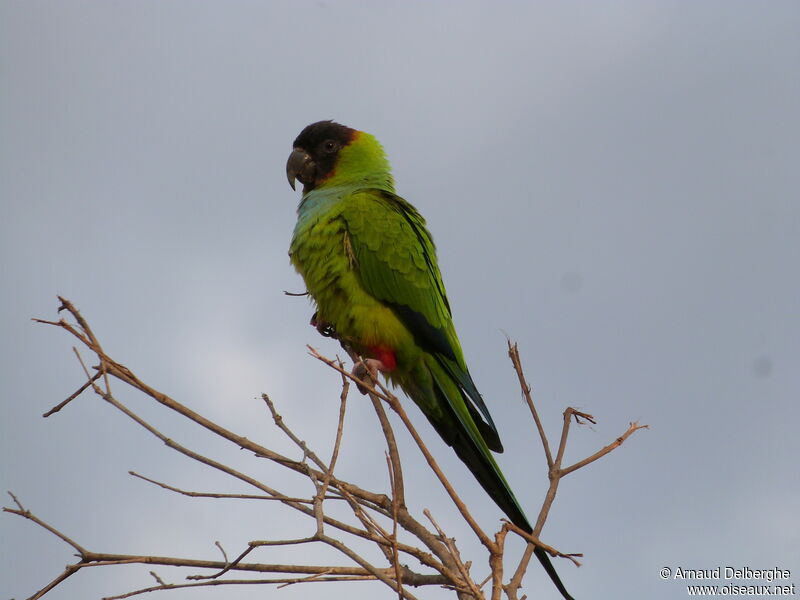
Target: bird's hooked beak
{"x": 300, "y": 166}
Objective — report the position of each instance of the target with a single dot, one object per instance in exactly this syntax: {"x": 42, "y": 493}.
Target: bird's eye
{"x": 330, "y": 146}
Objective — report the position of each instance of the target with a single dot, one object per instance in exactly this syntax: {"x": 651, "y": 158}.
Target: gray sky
{"x": 615, "y": 185}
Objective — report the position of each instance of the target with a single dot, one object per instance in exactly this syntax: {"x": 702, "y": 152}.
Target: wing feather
{"x": 396, "y": 260}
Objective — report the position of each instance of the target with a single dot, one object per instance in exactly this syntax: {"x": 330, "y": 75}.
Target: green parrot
{"x": 369, "y": 263}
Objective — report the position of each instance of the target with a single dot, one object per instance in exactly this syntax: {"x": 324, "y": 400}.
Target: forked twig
{"x": 555, "y": 473}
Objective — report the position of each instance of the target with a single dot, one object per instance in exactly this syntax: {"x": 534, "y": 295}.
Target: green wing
{"x": 396, "y": 261}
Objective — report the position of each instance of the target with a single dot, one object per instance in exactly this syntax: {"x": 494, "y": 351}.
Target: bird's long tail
{"x": 491, "y": 479}
{"x": 451, "y": 418}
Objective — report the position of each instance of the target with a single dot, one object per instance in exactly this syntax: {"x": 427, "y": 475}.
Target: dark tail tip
{"x": 551, "y": 571}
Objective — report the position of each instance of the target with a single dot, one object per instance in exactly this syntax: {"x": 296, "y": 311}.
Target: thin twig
{"x": 74, "y": 395}
{"x": 633, "y": 427}
{"x": 279, "y": 422}
{"x": 221, "y": 549}
{"x": 513, "y": 353}
{"x": 22, "y": 512}
{"x": 466, "y": 580}
{"x": 393, "y": 538}
{"x": 216, "y": 582}
{"x": 193, "y": 494}
{"x": 398, "y": 491}
{"x": 69, "y": 571}
{"x": 326, "y": 481}
{"x": 155, "y": 576}
{"x": 301, "y": 580}
{"x": 537, "y": 542}
{"x": 496, "y": 563}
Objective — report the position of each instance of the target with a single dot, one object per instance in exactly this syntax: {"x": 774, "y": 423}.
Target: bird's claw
{"x": 324, "y": 329}
{"x": 367, "y": 370}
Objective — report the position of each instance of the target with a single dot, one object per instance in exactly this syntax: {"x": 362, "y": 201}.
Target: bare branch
{"x": 395, "y": 404}
{"x": 221, "y": 549}
{"x": 90, "y": 559}
{"x": 155, "y": 576}
{"x": 74, "y": 395}
{"x": 462, "y": 568}
{"x": 337, "y": 443}
{"x": 319, "y": 578}
{"x": 278, "y": 419}
{"x": 70, "y": 570}
{"x": 22, "y": 512}
{"x": 462, "y": 507}
{"x": 632, "y": 427}
{"x": 537, "y": 542}
{"x": 396, "y": 468}
{"x": 435, "y": 551}
{"x": 513, "y": 353}
{"x": 233, "y": 496}
{"x": 395, "y": 552}
{"x": 555, "y": 473}
{"x": 496, "y": 563}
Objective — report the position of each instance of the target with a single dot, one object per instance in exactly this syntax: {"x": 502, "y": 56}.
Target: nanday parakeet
{"x": 369, "y": 263}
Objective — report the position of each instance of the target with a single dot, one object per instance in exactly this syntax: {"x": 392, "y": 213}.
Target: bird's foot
{"x": 325, "y": 329}
{"x": 367, "y": 370}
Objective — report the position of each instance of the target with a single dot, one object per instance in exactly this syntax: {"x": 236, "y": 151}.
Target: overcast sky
{"x": 613, "y": 185}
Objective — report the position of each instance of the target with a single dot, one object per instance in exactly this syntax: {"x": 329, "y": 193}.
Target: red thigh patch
{"x": 386, "y": 355}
